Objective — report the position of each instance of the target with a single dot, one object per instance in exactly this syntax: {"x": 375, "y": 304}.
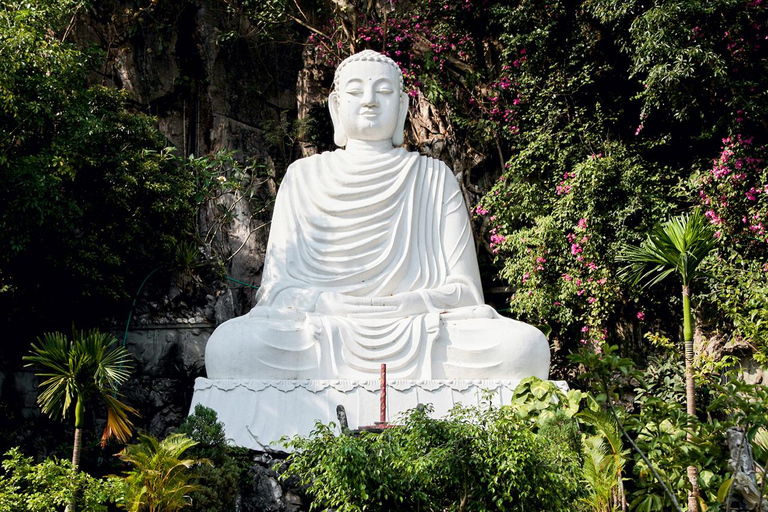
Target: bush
{"x": 51, "y": 485}
{"x": 472, "y": 460}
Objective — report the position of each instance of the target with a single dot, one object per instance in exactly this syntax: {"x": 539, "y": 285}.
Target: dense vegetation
{"x": 588, "y": 122}
{"x": 92, "y": 198}
{"x": 576, "y": 126}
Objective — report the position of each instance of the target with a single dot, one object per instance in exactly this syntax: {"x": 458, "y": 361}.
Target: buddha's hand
{"x": 400, "y": 305}
{"x": 339, "y": 304}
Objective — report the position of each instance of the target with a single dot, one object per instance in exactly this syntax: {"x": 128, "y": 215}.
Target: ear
{"x": 339, "y": 135}
{"x": 399, "y": 137}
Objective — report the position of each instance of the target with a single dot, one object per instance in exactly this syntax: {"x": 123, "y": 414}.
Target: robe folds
{"x": 349, "y": 230}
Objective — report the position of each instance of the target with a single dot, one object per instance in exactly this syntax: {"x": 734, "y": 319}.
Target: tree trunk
{"x": 76, "y": 449}
{"x": 690, "y": 393}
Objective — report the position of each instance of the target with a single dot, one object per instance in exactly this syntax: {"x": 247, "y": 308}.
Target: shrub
{"x": 52, "y": 484}
{"x": 472, "y": 460}
{"x": 227, "y": 466}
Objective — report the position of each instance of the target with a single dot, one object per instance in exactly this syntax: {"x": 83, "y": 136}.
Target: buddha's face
{"x": 368, "y": 100}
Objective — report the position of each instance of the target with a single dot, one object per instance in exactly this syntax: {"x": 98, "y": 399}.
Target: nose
{"x": 369, "y": 98}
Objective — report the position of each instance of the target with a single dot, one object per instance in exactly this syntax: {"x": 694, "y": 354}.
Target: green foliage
{"x": 471, "y": 460}
{"x": 659, "y": 427}
{"x": 160, "y": 480}
{"x": 733, "y": 193}
{"x": 558, "y": 254}
{"x": 91, "y": 197}
{"x": 90, "y": 365}
{"x": 738, "y": 287}
{"x": 223, "y": 184}
{"x": 228, "y": 465}
{"x": 52, "y": 484}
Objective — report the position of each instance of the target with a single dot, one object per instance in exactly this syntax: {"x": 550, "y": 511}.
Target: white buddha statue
{"x": 371, "y": 260}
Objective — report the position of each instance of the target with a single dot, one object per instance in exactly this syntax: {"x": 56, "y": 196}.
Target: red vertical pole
{"x": 383, "y": 405}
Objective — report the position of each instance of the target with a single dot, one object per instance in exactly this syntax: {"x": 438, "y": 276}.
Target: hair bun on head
{"x": 370, "y": 56}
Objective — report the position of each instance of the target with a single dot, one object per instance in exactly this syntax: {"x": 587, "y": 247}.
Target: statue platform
{"x": 257, "y": 413}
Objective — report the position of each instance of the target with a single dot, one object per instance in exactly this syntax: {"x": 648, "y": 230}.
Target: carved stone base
{"x": 257, "y": 413}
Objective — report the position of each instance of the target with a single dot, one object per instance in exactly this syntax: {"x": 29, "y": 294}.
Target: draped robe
{"x": 361, "y": 229}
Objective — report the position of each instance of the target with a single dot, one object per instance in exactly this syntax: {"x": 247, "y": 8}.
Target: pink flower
{"x": 585, "y": 329}
{"x": 582, "y": 223}
{"x": 591, "y": 300}
{"x": 640, "y": 316}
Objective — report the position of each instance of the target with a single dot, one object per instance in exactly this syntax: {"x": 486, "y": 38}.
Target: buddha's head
{"x": 368, "y": 102}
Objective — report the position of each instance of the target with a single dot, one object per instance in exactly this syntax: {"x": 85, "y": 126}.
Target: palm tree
{"x": 677, "y": 246}
{"x": 159, "y": 481}
{"x": 76, "y": 371}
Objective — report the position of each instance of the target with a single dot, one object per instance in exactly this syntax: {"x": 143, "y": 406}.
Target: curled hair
{"x": 367, "y": 55}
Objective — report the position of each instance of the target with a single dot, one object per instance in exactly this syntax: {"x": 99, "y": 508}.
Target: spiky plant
{"x": 604, "y": 459}
{"x": 160, "y": 480}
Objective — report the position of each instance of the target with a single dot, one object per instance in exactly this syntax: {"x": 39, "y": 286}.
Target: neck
{"x": 368, "y": 146}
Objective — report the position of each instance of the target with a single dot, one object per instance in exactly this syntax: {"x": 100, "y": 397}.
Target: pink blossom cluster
{"x": 736, "y": 189}
{"x": 594, "y": 338}
{"x": 563, "y": 188}
{"x": 496, "y": 240}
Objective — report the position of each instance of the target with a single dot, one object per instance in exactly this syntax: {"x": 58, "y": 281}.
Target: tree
{"x": 227, "y": 463}
{"x": 677, "y": 246}
{"x": 159, "y": 481}
{"x": 92, "y": 199}
{"x": 76, "y": 371}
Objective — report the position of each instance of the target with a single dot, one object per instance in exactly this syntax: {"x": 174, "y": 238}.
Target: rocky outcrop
{"x": 214, "y": 82}
{"x": 266, "y": 492}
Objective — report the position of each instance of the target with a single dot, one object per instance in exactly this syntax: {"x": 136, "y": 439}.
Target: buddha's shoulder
{"x": 332, "y": 159}
{"x": 308, "y": 161}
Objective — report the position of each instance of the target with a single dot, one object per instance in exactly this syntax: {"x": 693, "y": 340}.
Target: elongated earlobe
{"x": 399, "y": 137}
{"x": 339, "y": 135}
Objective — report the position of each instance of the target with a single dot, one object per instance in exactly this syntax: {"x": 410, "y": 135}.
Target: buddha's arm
{"x": 462, "y": 286}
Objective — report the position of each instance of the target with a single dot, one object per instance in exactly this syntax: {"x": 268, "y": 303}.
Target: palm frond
{"x": 118, "y": 424}
{"x": 676, "y": 246}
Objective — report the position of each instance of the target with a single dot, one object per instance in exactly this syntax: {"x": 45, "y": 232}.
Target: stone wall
{"x": 168, "y": 359}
